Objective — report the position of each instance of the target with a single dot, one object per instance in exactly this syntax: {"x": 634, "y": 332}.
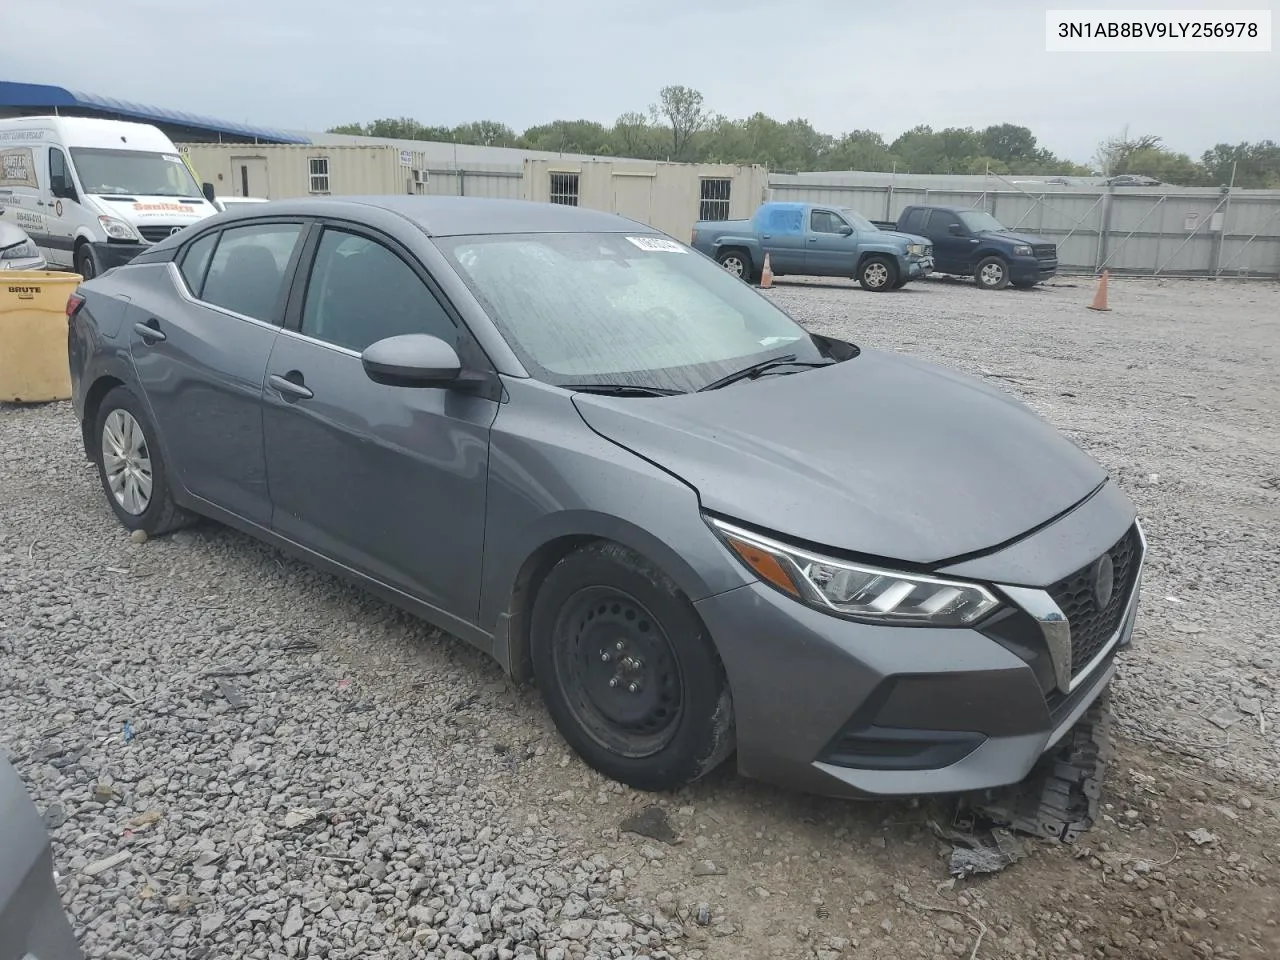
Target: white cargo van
{"x": 70, "y": 181}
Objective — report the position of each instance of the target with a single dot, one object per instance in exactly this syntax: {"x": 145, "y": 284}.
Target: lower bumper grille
{"x": 156, "y": 234}
{"x": 1045, "y": 251}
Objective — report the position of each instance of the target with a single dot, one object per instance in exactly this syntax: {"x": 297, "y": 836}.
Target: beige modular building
{"x": 669, "y": 196}
{"x": 277, "y": 171}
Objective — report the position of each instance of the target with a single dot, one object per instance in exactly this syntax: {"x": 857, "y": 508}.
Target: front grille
{"x": 155, "y": 234}
{"x": 1091, "y": 626}
{"x": 1044, "y": 251}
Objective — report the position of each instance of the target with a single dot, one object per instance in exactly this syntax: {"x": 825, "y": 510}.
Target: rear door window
{"x": 248, "y": 269}
{"x": 195, "y": 262}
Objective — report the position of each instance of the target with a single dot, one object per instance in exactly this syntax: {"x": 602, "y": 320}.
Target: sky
{"x": 840, "y": 64}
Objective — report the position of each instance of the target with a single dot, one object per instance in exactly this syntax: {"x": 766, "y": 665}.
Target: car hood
{"x": 905, "y": 237}
{"x": 880, "y": 455}
{"x": 1013, "y": 237}
{"x": 11, "y": 234}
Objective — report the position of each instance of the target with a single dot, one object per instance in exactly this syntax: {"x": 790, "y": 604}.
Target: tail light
{"x": 74, "y": 303}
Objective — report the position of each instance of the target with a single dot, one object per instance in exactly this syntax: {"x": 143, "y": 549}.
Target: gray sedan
{"x": 594, "y": 454}
{"x": 17, "y": 250}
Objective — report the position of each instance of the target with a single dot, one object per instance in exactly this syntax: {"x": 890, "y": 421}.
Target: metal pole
{"x": 1220, "y": 238}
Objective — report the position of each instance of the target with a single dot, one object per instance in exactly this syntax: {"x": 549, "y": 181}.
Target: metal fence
{"x": 1143, "y": 231}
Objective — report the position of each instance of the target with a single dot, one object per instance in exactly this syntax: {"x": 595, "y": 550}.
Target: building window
{"x": 564, "y": 188}
{"x": 319, "y": 174}
{"x": 714, "y": 200}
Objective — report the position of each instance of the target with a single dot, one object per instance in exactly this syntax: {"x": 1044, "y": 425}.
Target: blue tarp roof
{"x": 46, "y": 96}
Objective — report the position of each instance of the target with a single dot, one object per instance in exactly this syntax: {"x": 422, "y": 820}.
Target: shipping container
{"x": 279, "y": 171}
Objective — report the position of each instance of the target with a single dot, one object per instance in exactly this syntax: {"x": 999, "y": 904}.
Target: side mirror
{"x": 207, "y": 189}
{"x": 411, "y": 360}
{"x": 956, "y": 230}
{"x": 845, "y": 230}
{"x": 61, "y": 189}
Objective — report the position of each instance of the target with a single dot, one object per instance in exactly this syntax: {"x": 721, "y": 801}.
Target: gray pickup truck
{"x": 816, "y": 240}
{"x": 32, "y": 921}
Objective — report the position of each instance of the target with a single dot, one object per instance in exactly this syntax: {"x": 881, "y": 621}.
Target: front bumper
{"x": 1032, "y": 269}
{"x": 915, "y": 267}
{"x": 108, "y": 255}
{"x": 833, "y": 707}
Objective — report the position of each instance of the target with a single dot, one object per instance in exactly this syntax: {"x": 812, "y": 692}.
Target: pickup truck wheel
{"x": 992, "y": 273}
{"x": 878, "y": 274}
{"x": 737, "y": 263}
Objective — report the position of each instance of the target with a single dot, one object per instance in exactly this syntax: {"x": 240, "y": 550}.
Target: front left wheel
{"x": 628, "y": 672}
{"x": 131, "y": 467}
{"x": 878, "y": 274}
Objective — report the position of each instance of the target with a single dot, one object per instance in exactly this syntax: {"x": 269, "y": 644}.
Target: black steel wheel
{"x": 627, "y": 670}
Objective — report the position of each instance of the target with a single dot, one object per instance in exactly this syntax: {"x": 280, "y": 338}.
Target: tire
{"x": 1023, "y": 284}
{"x": 878, "y": 274}
{"x": 628, "y": 672}
{"x": 84, "y": 262}
{"x": 737, "y": 262}
{"x": 901, "y": 282}
{"x": 992, "y": 273}
{"x": 130, "y": 443}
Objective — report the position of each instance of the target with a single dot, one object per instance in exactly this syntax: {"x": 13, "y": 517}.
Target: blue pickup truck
{"x": 816, "y": 240}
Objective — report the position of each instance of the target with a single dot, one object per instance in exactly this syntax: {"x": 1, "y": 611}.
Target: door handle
{"x": 150, "y": 331}
{"x": 766, "y": 236}
{"x": 290, "y": 389}
{"x": 813, "y": 239}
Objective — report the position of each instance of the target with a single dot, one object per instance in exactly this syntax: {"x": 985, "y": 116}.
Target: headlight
{"x": 117, "y": 229}
{"x": 915, "y": 249}
{"x": 858, "y": 591}
{"x": 26, "y": 250}
{"x": 1021, "y": 250}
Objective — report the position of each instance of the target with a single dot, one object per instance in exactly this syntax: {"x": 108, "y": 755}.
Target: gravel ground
{"x": 241, "y": 757}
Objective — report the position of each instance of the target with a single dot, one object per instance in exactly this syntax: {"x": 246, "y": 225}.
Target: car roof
{"x": 454, "y": 216}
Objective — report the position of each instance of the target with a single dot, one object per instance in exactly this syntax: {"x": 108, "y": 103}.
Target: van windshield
{"x": 129, "y": 172}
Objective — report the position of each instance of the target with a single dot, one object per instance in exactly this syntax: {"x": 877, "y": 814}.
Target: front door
{"x": 63, "y": 210}
{"x": 832, "y": 245}
{"x": 953, "y": 244}
{"x": 249, "y": 177}
{"x": 200, "y": 347}
{"x": 389, "y": 481}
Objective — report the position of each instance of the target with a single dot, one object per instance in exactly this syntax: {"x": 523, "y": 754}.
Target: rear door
{"x": 782, "y": 236}
{"x": 389, "y": 481}
{"x": 829, "y": 252}
{"x": 200, "y": 345}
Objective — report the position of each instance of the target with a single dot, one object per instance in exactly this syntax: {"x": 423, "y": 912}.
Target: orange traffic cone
{"x": 766, "y": 275}
{"x": 1100, "y": 298}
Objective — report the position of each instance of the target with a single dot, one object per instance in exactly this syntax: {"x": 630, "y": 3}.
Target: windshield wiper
{"x": 622, "y": 389}
{"x": 756, "y": 369}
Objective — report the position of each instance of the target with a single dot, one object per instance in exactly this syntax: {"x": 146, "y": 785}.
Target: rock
{"x": 138, "y": 536}
{"x": 211, "y": 923}
{"x": 886, "y": 925}
{"x": 702, "y": 914}
{"x": 106, "y": 863}
{"x": 1200, "y": 836}
{"x": 651, "y": 822}
{"x": 293, "y": 923}
{"x": 1224, "y": 717}
{"x": 708, "y": 868}
{"x": 576, "y": 929}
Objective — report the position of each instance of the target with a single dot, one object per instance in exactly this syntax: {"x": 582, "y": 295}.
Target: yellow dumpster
{"x": 33, "y": 335}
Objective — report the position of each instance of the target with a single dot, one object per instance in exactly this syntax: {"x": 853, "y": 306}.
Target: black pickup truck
{"x": 972, "y": 243}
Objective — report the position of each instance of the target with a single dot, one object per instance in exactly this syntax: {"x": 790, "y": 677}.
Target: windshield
{"x": 645, "y": 311}
{"x": 980, "y": 222}
{"x": 134, "y": 172}
{"x": 857, "y": 220}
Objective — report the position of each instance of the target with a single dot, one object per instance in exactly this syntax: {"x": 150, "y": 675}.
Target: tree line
{"x": 680, "y": 126}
